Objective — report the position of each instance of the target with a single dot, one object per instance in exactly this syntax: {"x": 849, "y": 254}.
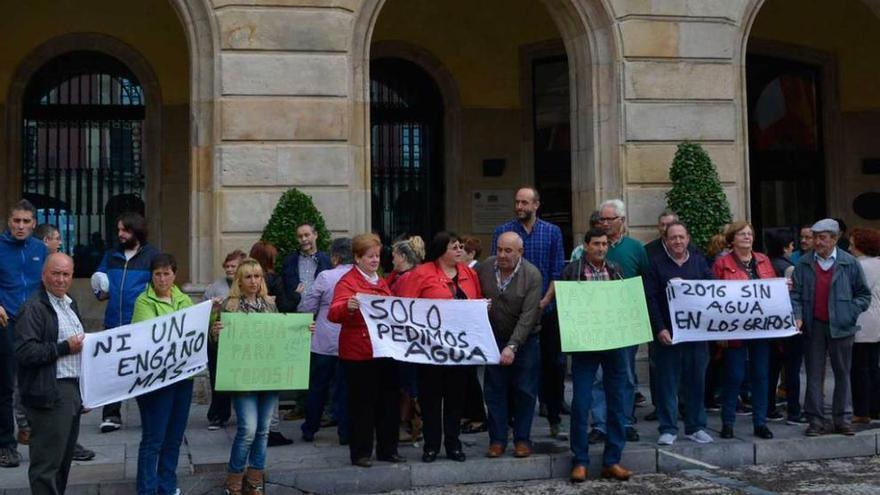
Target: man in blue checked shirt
{"x": 543, "y": 247}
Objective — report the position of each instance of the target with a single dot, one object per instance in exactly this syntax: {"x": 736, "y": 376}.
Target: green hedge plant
{"x": 696, "y": 194}
{"x": 294, "y": 208}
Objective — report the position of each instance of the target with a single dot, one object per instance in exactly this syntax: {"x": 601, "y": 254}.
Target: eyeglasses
{"x": 607, "y": 219}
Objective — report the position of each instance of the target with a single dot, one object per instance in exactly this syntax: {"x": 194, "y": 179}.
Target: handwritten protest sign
{"x": 134, "y": 359}
{"x": 729, "y": 309}
{"x": 264, "y": 351}
{"x": 430, "y": 331}
{"x": 597, "y": 316}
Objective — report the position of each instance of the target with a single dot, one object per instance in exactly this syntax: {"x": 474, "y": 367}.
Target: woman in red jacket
{"x": 372, "y": 382}
{"x": 442, "y": 388}
{"x": 742, "y": 263}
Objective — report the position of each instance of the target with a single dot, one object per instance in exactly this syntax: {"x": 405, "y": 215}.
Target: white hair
{"x": 618, "y": 205}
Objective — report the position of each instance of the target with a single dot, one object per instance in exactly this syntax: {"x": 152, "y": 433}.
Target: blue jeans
{"x": 598, "y": 409}
{"x": 326, "y": 374}
{"x": 758, "y": 353}
{"x": 683, "y": 364}
{"x": 615, "y": 367}
{"x": 254, "y": 411}
{"x": 521, "y": 379}
{"x": 164, "y": 414}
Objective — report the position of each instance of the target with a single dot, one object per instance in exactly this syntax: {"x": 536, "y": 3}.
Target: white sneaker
{"x": 700, "y": 436}
{"x": 666, "y": 439}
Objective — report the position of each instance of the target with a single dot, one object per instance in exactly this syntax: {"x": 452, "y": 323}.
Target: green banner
{"x": 260, "y": 351}
{"x": 597, "y": 316}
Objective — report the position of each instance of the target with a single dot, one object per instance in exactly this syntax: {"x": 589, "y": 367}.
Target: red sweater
{"x": 354, "y": 339}
{"x": 727, "y": 268}
{"x": 823, "y": 291}
{"x": 428, "y": 281}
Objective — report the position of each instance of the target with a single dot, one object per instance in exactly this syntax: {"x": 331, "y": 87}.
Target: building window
{"x": 406, "y": 139}
{"x": 82, "y": 149}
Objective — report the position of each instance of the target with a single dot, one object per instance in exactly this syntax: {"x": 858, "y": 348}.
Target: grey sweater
{"x": 515, "y": 313}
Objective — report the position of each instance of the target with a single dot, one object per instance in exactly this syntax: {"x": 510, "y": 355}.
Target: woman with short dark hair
{"x": 164, "y": 412}
{"x": 442, "y": 388}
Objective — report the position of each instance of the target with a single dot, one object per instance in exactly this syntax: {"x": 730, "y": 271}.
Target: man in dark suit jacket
{"x": 301, "y": 267}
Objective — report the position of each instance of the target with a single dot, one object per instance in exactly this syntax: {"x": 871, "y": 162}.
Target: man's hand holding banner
{"x": 729, "y": 309}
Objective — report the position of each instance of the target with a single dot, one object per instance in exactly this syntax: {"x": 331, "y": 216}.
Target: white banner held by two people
{"x": 703, "y": 310}
{"x": 131, "y": 360}
{"x": 430, "y": 331}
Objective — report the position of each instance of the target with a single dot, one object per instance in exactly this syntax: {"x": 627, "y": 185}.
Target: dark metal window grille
{"x": 406, "y": 150}
{"x": 82, "y": 149}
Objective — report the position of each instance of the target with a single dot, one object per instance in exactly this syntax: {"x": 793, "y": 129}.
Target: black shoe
{"x": 775, "y": 415}
{"x": 565, "y": 408}
{"x": 363, "y": 462}
{"x": 763, "y": 432}
{"x": 797, "y": 420}
{"x": 844, "y": 429}
{"x": 632, "y": 435}
{"x": 216, "y": 424}
{"x": 651, "y": 416}
{"x": 596, "y": 437}
{"x": 308, "y": 437}
{"x": 9, "y": 457}
{"x": 542, "y": 410}
{"x": 456, "y": 455}
{"x": 429, "y": 456}
{"x": 727, "y": 431}
{"x": 395, "y": 458}
{"x": 81, "y": 453}
{"x": 640, "y": 399}
{"x": 276, "y": 439}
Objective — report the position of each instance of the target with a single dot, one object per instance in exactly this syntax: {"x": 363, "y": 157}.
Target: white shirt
{"x": 68, "y": 325}
{"x": 827, "y": 263}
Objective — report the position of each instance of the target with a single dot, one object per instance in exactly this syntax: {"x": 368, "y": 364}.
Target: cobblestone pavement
{"x": 854, "y": 476}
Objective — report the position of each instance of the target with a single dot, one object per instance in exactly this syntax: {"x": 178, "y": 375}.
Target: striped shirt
{"x": 68, "y": 325}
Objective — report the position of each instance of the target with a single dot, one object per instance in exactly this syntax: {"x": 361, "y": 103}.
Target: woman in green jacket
{"x": 164, "y": 412}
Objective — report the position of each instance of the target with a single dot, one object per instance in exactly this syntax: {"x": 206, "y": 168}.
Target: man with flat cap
{"x": 48, "y": 341}
{"x": 828, "y": 293}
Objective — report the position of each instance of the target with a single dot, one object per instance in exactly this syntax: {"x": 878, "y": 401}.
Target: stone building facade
{"x": 244, "y": 99}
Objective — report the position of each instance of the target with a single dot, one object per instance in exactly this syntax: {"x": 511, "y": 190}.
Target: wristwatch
{"x": 512, "y": 347}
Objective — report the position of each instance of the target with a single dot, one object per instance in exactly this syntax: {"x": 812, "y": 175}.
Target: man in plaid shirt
{"x": 542, "y": 247}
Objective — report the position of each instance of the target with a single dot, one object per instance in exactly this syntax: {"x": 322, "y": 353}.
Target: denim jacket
{"x": 850, "y": 295}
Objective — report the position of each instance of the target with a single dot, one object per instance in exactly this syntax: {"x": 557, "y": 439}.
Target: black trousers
{"x": 53, "y": 438}
{"x": 776, "y": 366}
{"x": 865, "y": 379}
{"x": 7, "y": 385}
{"x": 442, "y": 396}
{"x": 552, "y": 367}
{"x": 221, "y": 402}
{"x": 373, "y": 406}
{"x": 474, "y": 408}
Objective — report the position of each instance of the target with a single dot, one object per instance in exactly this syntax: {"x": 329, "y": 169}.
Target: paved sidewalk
{"x": 323, "y": 466}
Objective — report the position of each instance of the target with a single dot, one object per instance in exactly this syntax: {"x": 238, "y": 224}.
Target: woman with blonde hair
{"x": 248, "y": 294}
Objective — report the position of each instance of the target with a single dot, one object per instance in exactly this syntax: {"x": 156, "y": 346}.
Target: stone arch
{"x": 830, "y": 117}
{"x": 200, "y": 30}
{"x": 592, "y": 45}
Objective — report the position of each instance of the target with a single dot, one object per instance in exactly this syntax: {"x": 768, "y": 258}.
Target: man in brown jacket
{"x": 514, "y": 286}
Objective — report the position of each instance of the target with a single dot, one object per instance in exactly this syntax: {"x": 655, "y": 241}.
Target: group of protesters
{"x": 834, "y": 283}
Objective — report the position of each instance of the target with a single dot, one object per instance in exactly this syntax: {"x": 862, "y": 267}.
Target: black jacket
{"x": 36, "y": 350}
{"x": 663, "y": 269}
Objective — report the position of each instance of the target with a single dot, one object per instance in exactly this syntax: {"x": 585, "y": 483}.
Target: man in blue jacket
{"x": 21, "y": 265}
{"x": 125, "y": 270}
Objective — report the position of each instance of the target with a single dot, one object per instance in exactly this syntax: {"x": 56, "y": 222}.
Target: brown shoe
{"x": 495, "y": 450}
{"x": 617, "y": 472}
{"x": 24, "y": 435}
{"x": 844, "y": 429}
{"x": 253, "y": 482}
{"x": 522, "y": 449}
{"x": 857, "y": 420}
{"x": 233, "y": 483}
{"x": 578, "y": 474}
